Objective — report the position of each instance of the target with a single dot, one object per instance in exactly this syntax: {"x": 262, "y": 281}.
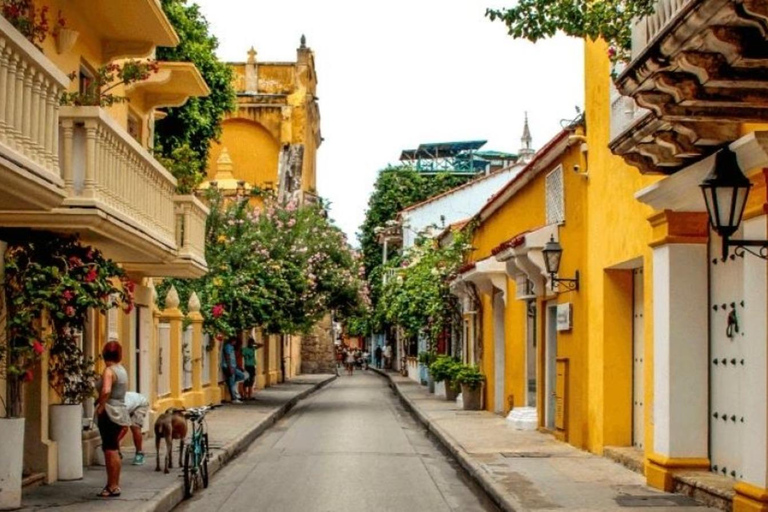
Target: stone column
{"x": 214, "y": 391}
{"x": 174, "y": 317}
{"x": 196, "y": 319}
{"x": 680, "y": 347}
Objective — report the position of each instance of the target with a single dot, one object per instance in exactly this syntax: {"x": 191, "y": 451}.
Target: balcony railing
{"x": 190, "y": 228}
{"x": 105, "y": 168}
{"x": 647, "y": 28}
{"x": 30, "y": 86}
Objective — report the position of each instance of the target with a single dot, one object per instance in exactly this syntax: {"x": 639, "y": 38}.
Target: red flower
{"x": 91, "y": 275}
{"x": 68, "y": 295}
{"x": 128, "y": 308}
{"x": 38, "y": 347}
{"x": 69, "y": 311}
{"x": 28, "y": 376}
{"x": 75, "y": 261}
{"x": 217, "y": 310}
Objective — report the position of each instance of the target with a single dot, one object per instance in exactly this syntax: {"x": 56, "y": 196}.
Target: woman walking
{"x": 112, "y": 415}
{"x": 350, "y": 362}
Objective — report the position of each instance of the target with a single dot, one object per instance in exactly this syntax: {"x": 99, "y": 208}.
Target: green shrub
{"x": 444, "y": 368}
{"x": 470, "y": 376}
{"x": 427, "y": 357}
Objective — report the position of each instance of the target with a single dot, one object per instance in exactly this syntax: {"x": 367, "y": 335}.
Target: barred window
{"x": 555, "y": 196}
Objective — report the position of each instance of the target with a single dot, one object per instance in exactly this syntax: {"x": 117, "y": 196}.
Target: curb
{"x": 475, "y": 471}
{"x": 174, "y": 495}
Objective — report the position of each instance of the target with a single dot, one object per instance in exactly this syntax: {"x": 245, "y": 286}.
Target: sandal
{"x": 106, "y": 492}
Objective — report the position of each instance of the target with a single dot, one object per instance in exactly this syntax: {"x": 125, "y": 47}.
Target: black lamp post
{"x": 725, "y": 192}
{"x": 553, "y": 252}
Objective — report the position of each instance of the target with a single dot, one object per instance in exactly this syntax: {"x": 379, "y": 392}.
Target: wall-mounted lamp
{"x": 553, "y": 252}
{"x": 725, "y": 192}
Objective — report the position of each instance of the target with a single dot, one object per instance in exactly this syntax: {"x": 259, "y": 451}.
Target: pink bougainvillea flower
{"x": 217, "y": 310}
{"x": 75, "y": 261}
{"x": 38, "y": 347}
{"x": 69, "y": 311}
{"x": 91, "y": 275}
{"x": 28, "y": 376}
{"x": 128, "y": 308}
{"x": 68, "y": 295}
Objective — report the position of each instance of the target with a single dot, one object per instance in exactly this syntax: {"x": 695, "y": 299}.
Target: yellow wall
{"x": 617, "y": 232}
{"x": 254, "y": 152}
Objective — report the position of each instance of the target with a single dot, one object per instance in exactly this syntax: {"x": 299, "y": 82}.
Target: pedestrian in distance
{"x": 138, "y": 407}
{"x": 377, "y": 356}
{"x": 350, "y": 362}
{"x": 249, "y": 361}
{"x": 112, "y": 414}
{"x": 388, "y": 356}
{"x": 232, "y": 373}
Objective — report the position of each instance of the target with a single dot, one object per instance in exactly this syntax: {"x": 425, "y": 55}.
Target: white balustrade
{"x": 645, "y": 29}
{"x": 104, "y": 167}
{"x": 164, "y": 359}
{"x": 191, "y": 214}
{"x": 186, "y": 359}
{"x": 30, "y": 85}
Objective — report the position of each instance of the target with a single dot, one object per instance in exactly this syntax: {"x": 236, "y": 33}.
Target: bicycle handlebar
{"x": 199, "y": 412}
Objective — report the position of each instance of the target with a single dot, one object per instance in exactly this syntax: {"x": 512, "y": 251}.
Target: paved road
{"x": 351, "y": 447}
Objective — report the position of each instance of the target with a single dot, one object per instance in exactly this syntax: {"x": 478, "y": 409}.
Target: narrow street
{"x": 350, "y": 447}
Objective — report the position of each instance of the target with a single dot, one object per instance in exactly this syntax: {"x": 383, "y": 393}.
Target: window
{"x": 555, "y": 199}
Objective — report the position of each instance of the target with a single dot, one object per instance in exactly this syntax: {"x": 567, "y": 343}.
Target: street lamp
{"x": 725, "y": 192}
{"x": 553, "y": 252}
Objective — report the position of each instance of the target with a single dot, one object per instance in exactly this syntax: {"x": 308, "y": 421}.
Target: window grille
{"x": 555, "y": 196}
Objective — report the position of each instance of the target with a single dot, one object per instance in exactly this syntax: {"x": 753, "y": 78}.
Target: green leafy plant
{"x": 100, "y": 90}
{"x": 70, "y": 373}
{"x": 610, "y": 20}
{"x": 470, "y": 376}
{"x": 280, "y": 267}
{"x": 50, "y": 285}
{"x": 196, "y": 124}
{"x": 427, "y": 357}
{"x": 444, "y": 368}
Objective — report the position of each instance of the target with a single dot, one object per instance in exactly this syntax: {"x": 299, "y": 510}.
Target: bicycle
{"x": 196, "y": 452}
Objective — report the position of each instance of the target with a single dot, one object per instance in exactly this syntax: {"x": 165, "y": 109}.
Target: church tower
{"x": 526, "y": 149}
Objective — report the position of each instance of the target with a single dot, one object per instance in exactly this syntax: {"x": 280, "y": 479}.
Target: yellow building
{"x": 272, "y": 137}
{"x": 270, "y": 142}
{"x": 89, "y": 170}
{"x": 694, "y": 92}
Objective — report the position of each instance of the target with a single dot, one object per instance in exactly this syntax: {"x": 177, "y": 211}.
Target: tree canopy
{"x": 608, "y": 19}
{"x": 278, "y": 267}
{"x": 184, "y": 136}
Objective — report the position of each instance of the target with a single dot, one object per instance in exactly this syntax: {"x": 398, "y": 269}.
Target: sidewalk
{"x": 231, "y": 430}
{"x": 524, "y": 471}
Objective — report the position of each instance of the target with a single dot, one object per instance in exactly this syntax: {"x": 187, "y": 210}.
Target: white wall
{"x": 454, "y": 206}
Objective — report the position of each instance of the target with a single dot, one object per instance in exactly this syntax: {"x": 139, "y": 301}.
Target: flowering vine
{"x": 50, "y": 285}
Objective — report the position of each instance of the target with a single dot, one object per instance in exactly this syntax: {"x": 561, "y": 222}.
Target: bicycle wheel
{"x": 189, "y": 470}
{"x": 204, "y": 460}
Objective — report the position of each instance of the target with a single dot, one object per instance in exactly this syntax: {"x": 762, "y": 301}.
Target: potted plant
{"x": 471, "y": 381}
{"x": 426, "y": 358}
{"x": 445, "y": 369}
{"x": 72, "y": 376}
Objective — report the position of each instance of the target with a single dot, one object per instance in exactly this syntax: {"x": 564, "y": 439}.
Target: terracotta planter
{"x": 12, "y": 457}
{"x": 473, "y": 398}
{"x": 450, "y": 392}
{"x": 66, "y": 428}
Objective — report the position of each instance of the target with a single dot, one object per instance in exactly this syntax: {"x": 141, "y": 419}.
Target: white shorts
{"x": 138, "y": 416}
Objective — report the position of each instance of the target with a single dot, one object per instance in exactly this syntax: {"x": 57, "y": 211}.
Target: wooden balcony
{"x": 699, "y": 67}
{"x": 30, "y": 85}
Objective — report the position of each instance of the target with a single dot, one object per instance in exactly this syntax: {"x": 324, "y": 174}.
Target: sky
{"x": 393, "y": 75}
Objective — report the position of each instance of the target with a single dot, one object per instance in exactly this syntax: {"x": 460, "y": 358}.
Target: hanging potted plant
{"x": 471, "y": 381}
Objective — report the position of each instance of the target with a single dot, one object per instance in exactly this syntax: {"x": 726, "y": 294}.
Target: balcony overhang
{"x": 127, "y": 29}
{"x": 681, "y": 193}
{"x": 524, "y": 260}
{"x": 487, "y": 275}
{"x": 699, "y": 68}
{"x": 171, "y": 86}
